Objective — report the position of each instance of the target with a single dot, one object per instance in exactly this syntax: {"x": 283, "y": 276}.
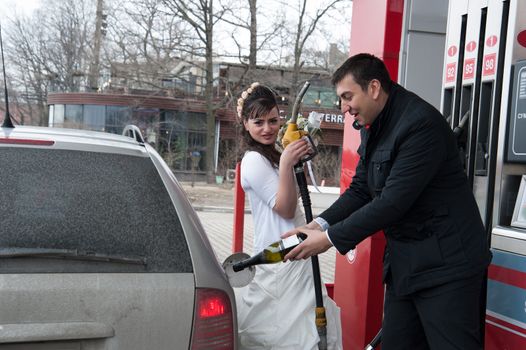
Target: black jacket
{"x": 410, "y": 183}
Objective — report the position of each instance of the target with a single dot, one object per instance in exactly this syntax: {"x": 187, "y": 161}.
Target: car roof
{"x": 71, "y": 139}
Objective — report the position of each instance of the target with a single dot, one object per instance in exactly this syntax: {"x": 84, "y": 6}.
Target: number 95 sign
{"x": 469, "y": 68}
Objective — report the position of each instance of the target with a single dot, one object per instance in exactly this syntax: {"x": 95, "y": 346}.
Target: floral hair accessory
{"x": 244, "y": 95}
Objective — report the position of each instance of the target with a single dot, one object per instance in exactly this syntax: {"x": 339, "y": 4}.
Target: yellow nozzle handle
{"x": 321, "y": 320}
{"x": 292, "y": 134}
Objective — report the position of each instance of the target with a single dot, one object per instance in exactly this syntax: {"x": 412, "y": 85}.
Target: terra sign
{"x": 333, "y": 118}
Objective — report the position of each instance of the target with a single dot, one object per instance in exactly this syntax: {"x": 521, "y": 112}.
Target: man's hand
{"x": 313, "y": 225}
{"x": 316, "y": 243}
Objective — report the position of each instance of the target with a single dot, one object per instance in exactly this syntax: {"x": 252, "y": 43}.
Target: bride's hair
{"x": 255, "y": 102}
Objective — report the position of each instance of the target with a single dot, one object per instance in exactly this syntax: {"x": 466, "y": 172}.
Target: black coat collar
{"x": 385, "y": 115}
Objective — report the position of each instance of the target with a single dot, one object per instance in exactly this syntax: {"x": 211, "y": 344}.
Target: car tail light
{"x": 13, "y": 141}
{"x": 213, "y": 321}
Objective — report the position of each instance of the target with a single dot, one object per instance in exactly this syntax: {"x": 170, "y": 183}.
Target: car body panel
{"x": 80, "y": 140}
{"x": 127, "y": 310}
{"x": 191, "y": 223}
{"x": 141, "y": 309}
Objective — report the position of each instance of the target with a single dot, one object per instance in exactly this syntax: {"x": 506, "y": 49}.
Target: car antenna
{"x": 8, "y": 123}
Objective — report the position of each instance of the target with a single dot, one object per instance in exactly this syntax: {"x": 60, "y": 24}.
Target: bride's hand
{"x": 294, "y": 153}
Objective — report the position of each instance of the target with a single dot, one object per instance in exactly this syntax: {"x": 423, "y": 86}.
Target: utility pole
{"x": 97, "y": 38}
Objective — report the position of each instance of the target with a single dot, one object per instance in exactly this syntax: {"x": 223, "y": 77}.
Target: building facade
{"x": 174, "y": 121}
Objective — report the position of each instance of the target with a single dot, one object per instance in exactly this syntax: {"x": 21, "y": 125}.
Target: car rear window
{"x": 95, "y": 203}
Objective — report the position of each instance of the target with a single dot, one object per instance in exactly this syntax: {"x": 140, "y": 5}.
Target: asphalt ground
{"x": 214, "y": 206}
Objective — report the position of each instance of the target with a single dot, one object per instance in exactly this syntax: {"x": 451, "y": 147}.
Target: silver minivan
{"x": 100, "y": 248}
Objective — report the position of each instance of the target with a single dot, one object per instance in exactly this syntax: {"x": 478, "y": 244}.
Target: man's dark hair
{"x": 364, "y": 67}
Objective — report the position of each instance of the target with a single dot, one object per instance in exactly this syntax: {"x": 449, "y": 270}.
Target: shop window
{"x": 182, "y": 140}
{"x": 58, "y": 116}
{"x": 320, "y": 97}
{"x": 117, "y": 118}
{"x": 94, "y": 117}
{"x": 73, "y": 117}
{"x": 51, "y": 113}
{"x": 147, "y": 120}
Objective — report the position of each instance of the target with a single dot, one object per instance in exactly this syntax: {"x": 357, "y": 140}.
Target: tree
{"x": 66, "y": 27}
{"x": 326, "y": 166}
{"x": 144, "y": 43}
{"x": 305, "y": 26}
{"x": 26, "y": 65}
{"x": 48, "y": 51}
{"x": 289, "y": 37}
{"x": 241, "y": 21}
{"x": 200, "y": 16}
{"x": 242, "y": 17}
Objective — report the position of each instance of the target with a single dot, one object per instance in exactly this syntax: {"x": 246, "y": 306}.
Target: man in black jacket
{"x": 409, "y": 183}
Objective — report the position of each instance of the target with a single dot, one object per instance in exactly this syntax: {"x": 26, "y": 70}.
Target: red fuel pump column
{"x": 358, "y": 289}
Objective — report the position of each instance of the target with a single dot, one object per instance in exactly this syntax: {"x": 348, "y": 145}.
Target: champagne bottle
{"x": 274, "y": 253}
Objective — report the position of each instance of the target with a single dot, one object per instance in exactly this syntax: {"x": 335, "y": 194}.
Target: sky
{"x": 336, "y": 22}
{"x": 339, "y": 23}
{"x": 10, "y": 6}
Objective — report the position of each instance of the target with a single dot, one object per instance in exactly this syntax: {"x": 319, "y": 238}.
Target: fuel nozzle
{"x": 292, "y": 133}
{"x": 313, "y": 148}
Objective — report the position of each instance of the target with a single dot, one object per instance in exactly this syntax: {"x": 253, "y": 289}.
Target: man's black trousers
{"x": 445, "y": 317}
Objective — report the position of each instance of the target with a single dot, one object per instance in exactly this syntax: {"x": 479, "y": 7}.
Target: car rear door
{"x": 92, "y": 253}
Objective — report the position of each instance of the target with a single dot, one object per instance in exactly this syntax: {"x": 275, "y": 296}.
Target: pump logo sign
{"x": 351, "y": 255}
{"x": 471, "y": 46}
{"x": 452, "y": 51}
{"x": 521, "y": 38}
{"x": 491, "y": 41}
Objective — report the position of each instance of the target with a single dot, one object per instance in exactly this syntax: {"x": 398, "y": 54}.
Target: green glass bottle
{"x": 273, "y": 253}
